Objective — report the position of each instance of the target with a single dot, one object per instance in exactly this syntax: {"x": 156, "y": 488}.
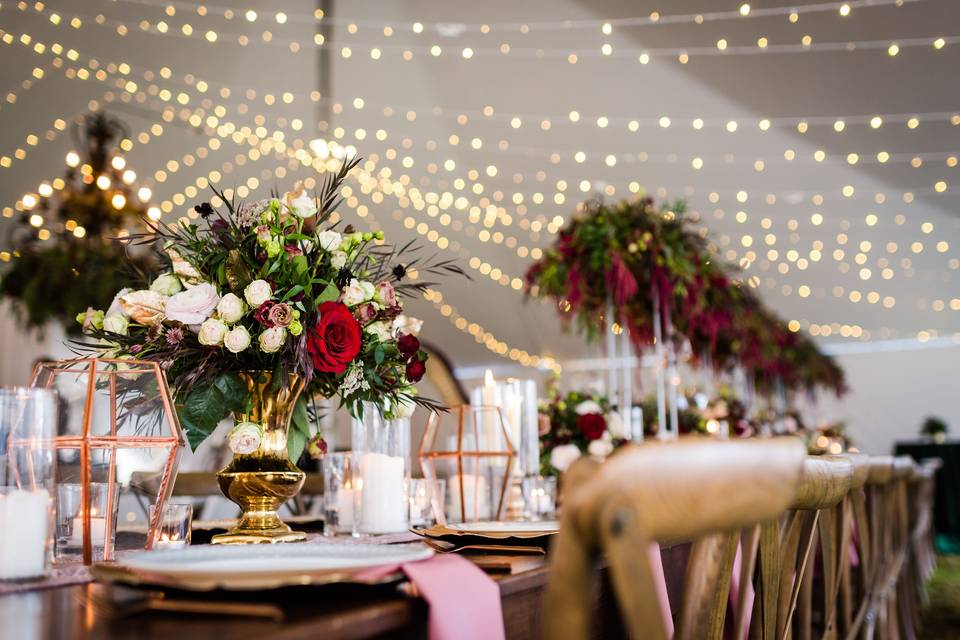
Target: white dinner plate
{"x": 481, "y": 528}
{"x": 253, "y": 566}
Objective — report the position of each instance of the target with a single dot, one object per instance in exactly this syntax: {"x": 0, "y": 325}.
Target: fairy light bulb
{"x": 73, "y": 159}
{"x": 103, "y": 182}
{"x": 144, "y": 194}
{"x": 118, "y": 201}
{"x": 118, "y": 163}
{"x": 129, "y": 176}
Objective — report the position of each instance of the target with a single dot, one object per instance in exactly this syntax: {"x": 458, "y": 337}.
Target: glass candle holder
{"x": 426, "y": 499}
{"x": 174, "y": 526}
{"x": 28, "y": 419}
{"x": 540, "y": 496}
{"x": 340, "y": 495}
{"x": 72, "y": 515}
{"x": 381, "y": 450}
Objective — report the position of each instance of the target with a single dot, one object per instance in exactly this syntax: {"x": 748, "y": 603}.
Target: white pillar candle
{"x": 98, "y": 531}
{"x": 345, "y": 498}
{"x": 24, "y": 533}
{"x": 476, "y": 498}
{"x": 382, "y": 506}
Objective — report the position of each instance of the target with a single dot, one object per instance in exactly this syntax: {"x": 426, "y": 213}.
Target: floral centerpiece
{"x": 574, "y": 425}
{"x": 265, "y": 303}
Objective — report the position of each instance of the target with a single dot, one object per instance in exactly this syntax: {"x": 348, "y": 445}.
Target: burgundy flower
{"x": 408, "y": 344}
{"x": 280, "y": 315}
{"x": 415, "y": 370}
{"x": 262, "y": 314}
{"x": 174, "y": 336}
{"x": 366, "y": 313}
{"x": 292, "y": 249}
{"x": 592, "y": 425}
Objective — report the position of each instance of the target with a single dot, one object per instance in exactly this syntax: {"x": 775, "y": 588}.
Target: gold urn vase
{"x": 261, "y": 481}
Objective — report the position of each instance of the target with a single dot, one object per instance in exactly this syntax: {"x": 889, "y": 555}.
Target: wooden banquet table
{"x": 106, "y": 612}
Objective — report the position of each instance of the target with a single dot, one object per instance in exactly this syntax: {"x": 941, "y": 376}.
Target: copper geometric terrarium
{"x": 118, "y": 431}
{"x": 469, "y": 447}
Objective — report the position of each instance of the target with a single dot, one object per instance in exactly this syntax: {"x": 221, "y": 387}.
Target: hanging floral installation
{"x": 68, "y": 252}
{"x": 642, "y": 258}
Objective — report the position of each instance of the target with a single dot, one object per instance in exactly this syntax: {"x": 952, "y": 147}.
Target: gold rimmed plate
{"x": 253, "y": 567}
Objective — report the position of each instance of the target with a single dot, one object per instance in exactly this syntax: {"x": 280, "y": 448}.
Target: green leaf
{"x": 237, "y": 272}
{"x": 296, "y": 442}
{"x": 329, "y": 294}
{"x": 292, "y": 292}
{"x": 378, "y": 354}
{"x": 301, "y": 420}
{"x": 300, "y": 266}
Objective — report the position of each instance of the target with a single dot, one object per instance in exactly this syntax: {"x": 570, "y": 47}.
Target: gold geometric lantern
{"x": 117, "y": 422}
{"x": 469, "y": 447}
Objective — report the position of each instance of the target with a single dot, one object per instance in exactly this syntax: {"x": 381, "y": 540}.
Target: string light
{"x": 683, "y": 53}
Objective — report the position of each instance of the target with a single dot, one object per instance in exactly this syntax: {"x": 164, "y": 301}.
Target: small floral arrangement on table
{"x": 574, "y": 425}
{"x": 271, "y": 285}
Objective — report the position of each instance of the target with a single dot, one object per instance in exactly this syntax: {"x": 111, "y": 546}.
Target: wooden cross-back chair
{"x": 786, "y": 549}
{"x": 705, "y": 491}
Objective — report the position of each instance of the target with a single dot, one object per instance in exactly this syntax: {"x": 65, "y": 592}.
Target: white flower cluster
{"x": 354, "y": 380}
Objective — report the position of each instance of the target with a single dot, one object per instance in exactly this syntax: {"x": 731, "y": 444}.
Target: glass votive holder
{"x": 540, "y": 496}
{"x": 426, "y": 501}
{"x": 174, "y": 526}
{"x": 28, "y": 424}
{"x": 340, "y": 495}
{"x": 71, "y": 514}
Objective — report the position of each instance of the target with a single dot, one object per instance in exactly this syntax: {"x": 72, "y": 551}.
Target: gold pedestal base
{"x": 260, "y": 494}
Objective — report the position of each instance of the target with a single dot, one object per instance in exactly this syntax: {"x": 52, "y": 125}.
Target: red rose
{"x": 415, "y": 370}
{"x": 408, "y": 344}
{"x": 592, "y": 425}
{"x": 334, "y": 341}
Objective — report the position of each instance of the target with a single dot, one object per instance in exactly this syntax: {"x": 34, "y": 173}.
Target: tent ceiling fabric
{"x": 788, "y": 205}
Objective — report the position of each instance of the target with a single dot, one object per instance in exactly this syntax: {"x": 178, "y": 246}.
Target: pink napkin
{"x": 735, "y": 595}
{"x": 660, "y": 583}
{"x": 464, "y": 601}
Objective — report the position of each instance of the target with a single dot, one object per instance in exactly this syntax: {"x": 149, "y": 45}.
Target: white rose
{"x": 167, "y": 285}
{"x": 193, "y": 306}
{"x": 212, "y": 332}
{"x": 329, "y": 240}
{"x": 116, "y": 324}
{"x": 231, "y": 308}
{"x": 615, "y": 426}
{"x": 380, "y": 329}
{"x": 272, "y": 339}
{"x": 304, "y": 206}
{"x": 245, "y": 437}
{"x": 600, "y": 448}
{"x": 403, "y": 407}
{"x": 237, "y": 339}
{"x": 338, "y": 260}
{"x": 407, "y": 324}
{"x": 116, "y": 309}
{"x": 257, "y": 292}
{"x": 588, "y": 406}
{"x": 563, "y": 456}
{"x": 357, "y": 292}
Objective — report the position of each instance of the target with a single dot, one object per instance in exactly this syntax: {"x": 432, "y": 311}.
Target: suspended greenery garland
{"x": 69, "y": 253}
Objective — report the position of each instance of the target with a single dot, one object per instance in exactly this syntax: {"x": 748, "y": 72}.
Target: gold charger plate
{"x": 474, "y": 534}
{"x": 259, "y": 567}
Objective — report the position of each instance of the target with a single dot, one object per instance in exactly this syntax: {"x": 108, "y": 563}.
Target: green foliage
{"x": 209, "y": 402}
